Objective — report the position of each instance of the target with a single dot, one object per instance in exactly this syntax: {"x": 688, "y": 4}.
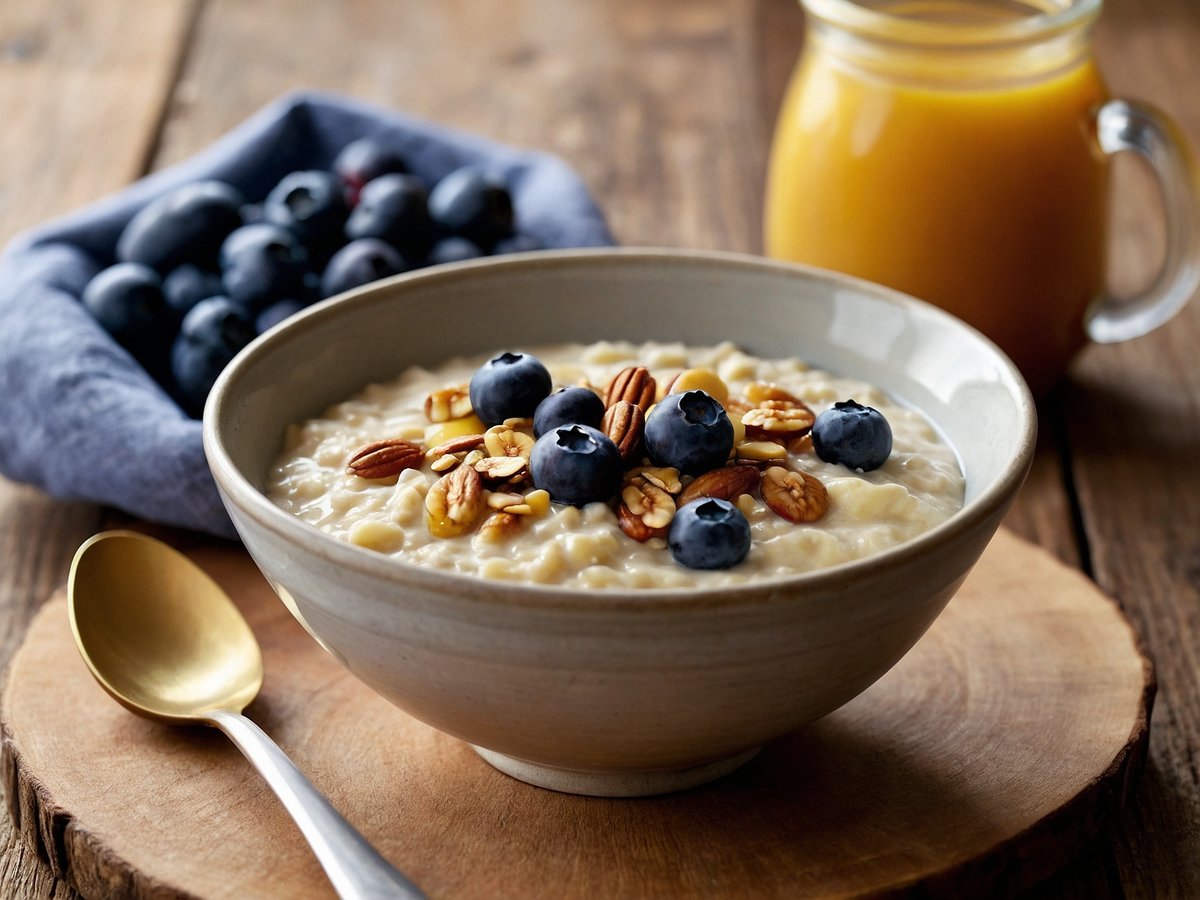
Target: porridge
{"x": 650, "y": 465}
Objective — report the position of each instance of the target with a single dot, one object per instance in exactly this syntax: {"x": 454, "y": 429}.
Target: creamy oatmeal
{"x": 513, "y": 532}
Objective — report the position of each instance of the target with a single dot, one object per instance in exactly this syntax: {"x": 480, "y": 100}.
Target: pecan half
{"x": 383, "y": 459}
{"x": 454, "y": 502}
{"x": 725, "y": 484}
{"x": 459, "y": 444}
{"x": 448, "y": 403}
{"x": 796, "y": 496}
{"x": 633, "y": 383}
{"x": 625, "y": 423}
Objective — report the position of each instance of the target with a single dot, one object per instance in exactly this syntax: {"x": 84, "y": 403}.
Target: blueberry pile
{"x": 199, "y": 272}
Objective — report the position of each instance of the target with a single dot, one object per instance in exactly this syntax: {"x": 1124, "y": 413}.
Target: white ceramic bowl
{"x": 618, "y": 692}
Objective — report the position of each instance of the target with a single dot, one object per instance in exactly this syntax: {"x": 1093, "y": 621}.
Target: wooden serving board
{"x": 979, "y": 764}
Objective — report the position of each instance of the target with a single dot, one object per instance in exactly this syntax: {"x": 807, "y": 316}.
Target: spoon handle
{"x": 354, "y": 867}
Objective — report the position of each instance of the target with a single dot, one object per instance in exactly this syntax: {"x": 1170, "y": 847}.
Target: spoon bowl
{"x": 166, "y": 642}
{"x": 159, "y": 635}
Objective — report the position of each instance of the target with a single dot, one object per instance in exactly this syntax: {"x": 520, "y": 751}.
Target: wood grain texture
{"x": 986, "y": 757}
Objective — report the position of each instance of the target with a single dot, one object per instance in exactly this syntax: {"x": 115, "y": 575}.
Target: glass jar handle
{"x": 1122, "y": 125}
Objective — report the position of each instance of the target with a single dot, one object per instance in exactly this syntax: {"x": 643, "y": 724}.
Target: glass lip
{"x": 886, "y": 27}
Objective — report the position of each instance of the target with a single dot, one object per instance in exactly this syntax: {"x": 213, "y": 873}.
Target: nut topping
{"x": 654, "y": 506}
{"x": 499, "y": 526}
{"x": 778, "y": 419}
{"x": 796, "y": 496}
{"x": 499, "y": 468}
{"x": 454, "y": 502}
{"x": 448, "y": 403}
{"x": 501, "y": 440}
{"x": 635, "y": 527}
{"x": 724, "y": 484}
{"x": 635, "y": 384}
{"x": 625, "y": 422}
{"x": 761, "y": 392}
{"x": 663, "y": 477}
{"x": 383, "y": 459}
{"x": 455, "y": 445}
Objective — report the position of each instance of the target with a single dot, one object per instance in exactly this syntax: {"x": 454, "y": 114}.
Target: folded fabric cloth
{"x": 81, "y": 419}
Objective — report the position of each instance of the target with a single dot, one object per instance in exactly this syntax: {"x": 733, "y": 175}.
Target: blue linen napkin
{"x": 81, "y": 419}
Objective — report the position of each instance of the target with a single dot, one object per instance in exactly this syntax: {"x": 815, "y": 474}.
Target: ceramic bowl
{"x": 618, "y": 692}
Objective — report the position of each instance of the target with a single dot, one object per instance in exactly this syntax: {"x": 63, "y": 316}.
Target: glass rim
{"x": 888, "y": 27}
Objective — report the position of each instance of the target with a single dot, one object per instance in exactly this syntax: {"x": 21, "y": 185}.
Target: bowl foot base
{"x": 614, "y": 784}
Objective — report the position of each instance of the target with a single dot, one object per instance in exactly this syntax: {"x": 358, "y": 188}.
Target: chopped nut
{"x": 663, "y": 477}
{"x": 778, "y": 421}
{"x": 499, "y": 526}
{"x": 654, "y": 506}
{"x": 455, "y": 445}
{"x": 760, "y": 392}
{"x": 474, "y": 457}
{"x": 760, "y": 450}
{"x": 633, "y": 383}
{"x": 635, "y": 527}
{"x": 796, "y": 496}
{"x": 800, "y": 445}
{"x": 724, "y": 484}
{"x": 383, "y": 459}
{"x": 625, "y": 423}
{"x": 539, "y": 502}
{"x": 500, "y": 440}
{"x": 448, "y": 403}
{"x": 445, "y": 463}
{"x": 738, "y": 406}
{"x": 517, "y": 422}
{"x": 504, "y": 499}
{"x": 498, "y": 468}
{"x": 454, "y": 502}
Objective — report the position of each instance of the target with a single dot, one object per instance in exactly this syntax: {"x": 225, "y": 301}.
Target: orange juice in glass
{"x": 958, "y": 150}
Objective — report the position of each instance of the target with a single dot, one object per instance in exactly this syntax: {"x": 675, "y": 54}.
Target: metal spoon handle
{"x": 354, "y": 867}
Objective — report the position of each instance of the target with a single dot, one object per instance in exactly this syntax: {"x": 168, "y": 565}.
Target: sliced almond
{"x": 445, "y": 463}
{"x": 796, "y": 496}
{"x": 384, "y": 459}
{"x": 448, "y": 403}
{"x": 625, "y": 423}
{"x": 454, "y": 502}
{"x": 634, "y": 384}
{"x": 504, "y": 499}
{"x": 724, "y": 484}
{"x": 760, "y": 451}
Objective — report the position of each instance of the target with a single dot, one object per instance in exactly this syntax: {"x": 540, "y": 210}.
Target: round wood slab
{"x": 986, "y": 757}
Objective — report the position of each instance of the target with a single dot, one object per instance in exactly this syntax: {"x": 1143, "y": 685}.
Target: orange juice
{"x": 968, "y": 176}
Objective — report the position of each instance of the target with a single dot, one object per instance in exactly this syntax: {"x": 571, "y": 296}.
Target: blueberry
{"x": 361, "y": 262}
{"x": 474, "y": 204}
{"x": 689, "y": 431}
{"x": 187, "y": 285}
{"x": 569, "y": 406}
{"x": 518, "y": 243}
{"x": 365, "y": 159}
{"x": 276, "y": 313}
{"x": 508, "y": 386}
{"x": 453, "y": 249}
{"x": 262, "y": 263}
{"x": 312, "y": 206}
{"x": 186, "y": 225}
{"x": 576, "y": 464}
{"x": 852, "y": 435}
{"x": 709, "y": 534}
{"x": 210, "y": 336}
{"x": 394, "y": 208}
{"x": 127, "y": 300}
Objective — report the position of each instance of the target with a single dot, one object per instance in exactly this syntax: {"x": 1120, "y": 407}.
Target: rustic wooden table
{"x": 666, "y": 109}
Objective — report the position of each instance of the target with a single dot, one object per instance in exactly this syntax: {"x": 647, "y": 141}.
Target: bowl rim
{"x": 237, "y": 490}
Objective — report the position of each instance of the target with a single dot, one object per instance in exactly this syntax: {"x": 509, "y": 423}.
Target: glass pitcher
{"x": 958, "y": 150}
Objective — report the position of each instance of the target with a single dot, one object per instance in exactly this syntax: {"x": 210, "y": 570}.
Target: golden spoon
{"x": 168, "y": 644}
